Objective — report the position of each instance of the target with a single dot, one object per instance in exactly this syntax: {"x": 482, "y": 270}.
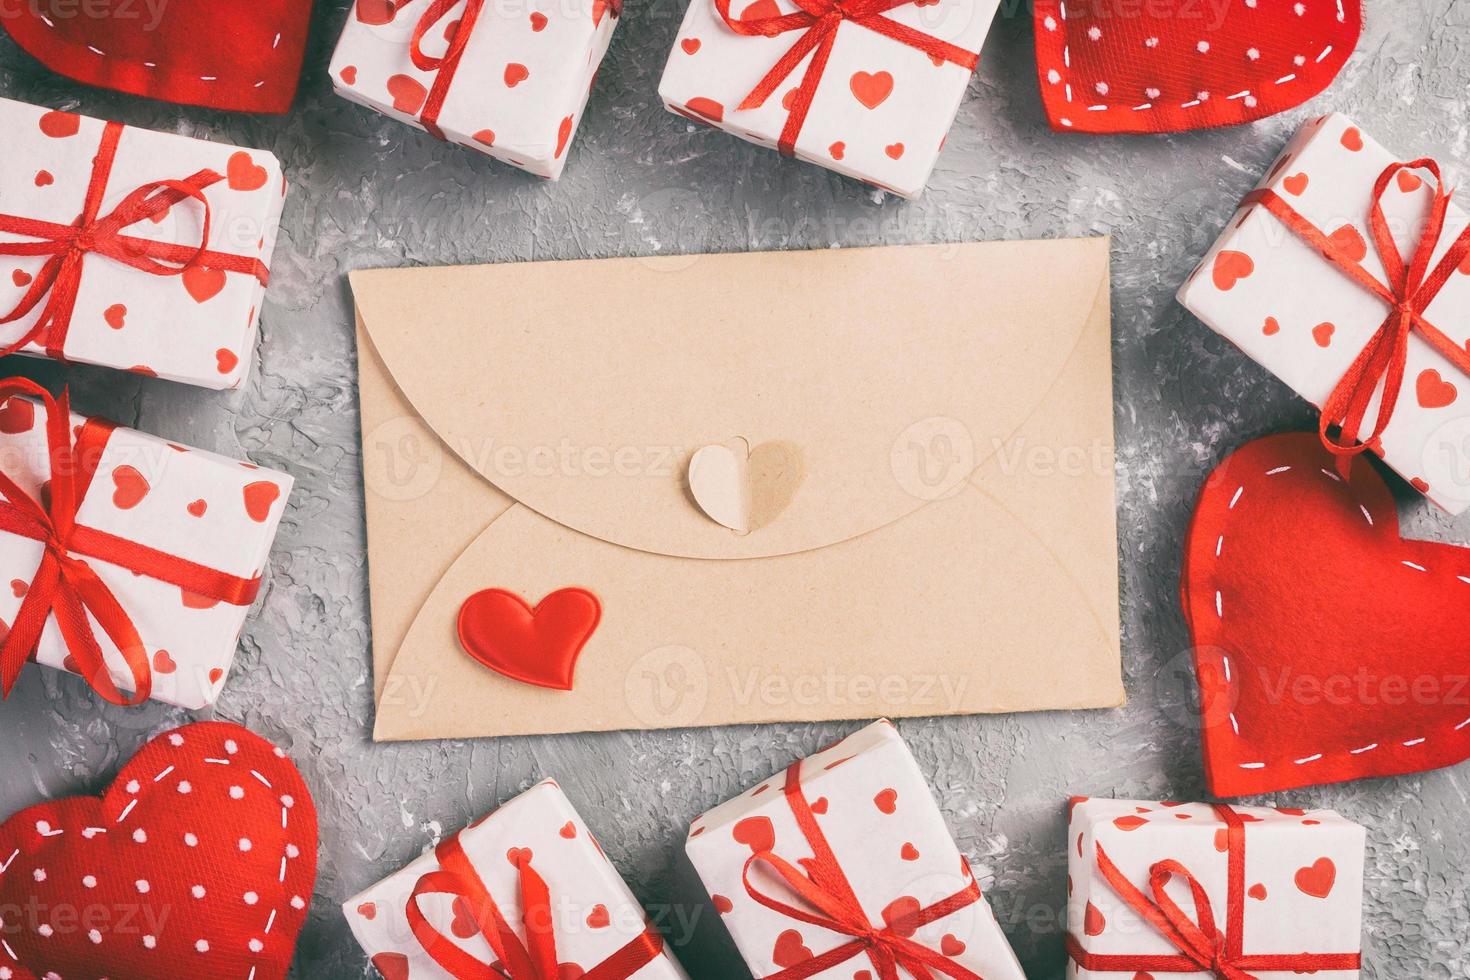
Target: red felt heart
{"x": 199, "y": 860}
{"x": 536, "y": 646}
{"x": 1171, "y": 66}
{"x": 1327, "y": 647}
{"x": 243, "y": 57}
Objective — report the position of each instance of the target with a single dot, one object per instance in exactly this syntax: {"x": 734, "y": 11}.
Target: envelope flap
{"x": 582, "y": 389}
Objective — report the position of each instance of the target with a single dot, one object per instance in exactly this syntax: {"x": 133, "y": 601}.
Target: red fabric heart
{"x": 537, "y": 646}
{"x": 201, "y": 858}
{"x": 1327, "y": 647}
{"x": 1174, "y": 66}
{"x": 243, "y": 57}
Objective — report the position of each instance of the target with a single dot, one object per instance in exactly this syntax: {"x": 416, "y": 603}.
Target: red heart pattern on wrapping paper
{"x": 244, "y": 174}
{"x": 537, "y": 646}
{"x": 207, "y": 839}
{"x": 260, "y": 496}
{"x": 129, "y": 487}
{"x": 408, "y": 94}
{"x": 203, "y": 284}
{"x": 237, "y": 57}
{"x": 60, "y": 125}
{"x": 1317, "y": 879}
{"x": 1161, "y": 71}
{"x": 1314, "y": 623}
{"x": 872, "y": 89}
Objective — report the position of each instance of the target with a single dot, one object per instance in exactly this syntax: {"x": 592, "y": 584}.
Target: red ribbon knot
{"x": 1204, "y": 946}
{"x": 820, "y": 20}
{"x": 93, "y": 233}
{"x": 65, "y": 585}
{"x": 1412, "y": 288}
{"x": 821, "y": 885}
{"x": 535, "y": 958}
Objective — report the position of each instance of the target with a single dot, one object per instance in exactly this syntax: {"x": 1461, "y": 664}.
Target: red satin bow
{"x": 1202, "y": 945}
{"x": 1412, "y": 287}
{"x": 824, "y": 887}
{"x": 448, "y": 64}
{"x": 65, "y": 585}
{"x": 536, "y": 958}
{"x": 93, "y": 233}
{"x": 820, "y": 20}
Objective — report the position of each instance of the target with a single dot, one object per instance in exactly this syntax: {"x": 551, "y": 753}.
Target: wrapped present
{"x": 130, "y": 560}
{"x": 144, "y": 251}
{"x": 508, "y": 79}
{"x": 1213, "y": 891}
{"x": 842, "y": 866}
{"x": 868, "y": 89}
{"x": 525, "y": 893}
{"x": 1347, "y": 274}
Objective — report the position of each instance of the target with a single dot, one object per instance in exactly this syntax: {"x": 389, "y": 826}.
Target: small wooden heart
{"x": 745, "y": 489}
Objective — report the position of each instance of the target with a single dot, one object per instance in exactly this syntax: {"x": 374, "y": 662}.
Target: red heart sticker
{"x": 201, "y": 856}
{"x": 1327, "y": 646}
{"x": 1160, "y": 70}
{"x": 538, "y": 646}
{"x": 238, "y": 57}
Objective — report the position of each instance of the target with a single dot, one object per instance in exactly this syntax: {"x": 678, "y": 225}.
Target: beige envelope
{"x": 931, "y": 476}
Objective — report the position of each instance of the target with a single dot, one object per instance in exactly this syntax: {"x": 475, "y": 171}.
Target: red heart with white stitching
{"x": 243, "y": 57}
{"x": 1174, "y": 65}
{"x": 198, "y": 861}
{"x": 1327, "y": 647}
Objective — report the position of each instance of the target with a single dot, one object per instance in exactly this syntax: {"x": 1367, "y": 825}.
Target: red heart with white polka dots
{"x": 1327, "y": 646}
{"x": 1176, "y": 66}
{"x": 198, "y": 861}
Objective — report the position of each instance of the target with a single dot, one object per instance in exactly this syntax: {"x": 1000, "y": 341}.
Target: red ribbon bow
{"x": 1203, "y": 946}
{"x": 447, "y": 65}
{"x": 65, "y": 584}
{"x": 1412, "y": 287}
{"x": 93, "y": 233}
{"x": 536, "y": 958}
{"x": 824, "y": 887}
{"x": 819, "y": 21}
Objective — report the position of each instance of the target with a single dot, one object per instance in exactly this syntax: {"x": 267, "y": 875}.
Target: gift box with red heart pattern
{"x": 525, "y": 890}
{"x": 1275, "y": 295}
{"x": 842, "y": 865}
{"x": 513, "y": 87}
{"x": 181, "y": 503}
{"x": 879, "y": 103}
{"x": 1188, "y": 889}
{"x": 148, "y": 294}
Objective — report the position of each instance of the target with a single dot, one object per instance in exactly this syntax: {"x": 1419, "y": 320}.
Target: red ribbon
{"x": 822, "y": 886}
{"x": 819, "y": 20}
{"x": 447, "y": 65}
{"x": 93, "y": 233}
{"x": 536, "y": 958}
{"x": 1203, "y": 946}
{"x": 1412, "y": 287}
{"x": 64, "y": 584}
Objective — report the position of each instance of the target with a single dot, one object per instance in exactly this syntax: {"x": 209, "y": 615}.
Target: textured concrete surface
{"x": 370, "y": 193}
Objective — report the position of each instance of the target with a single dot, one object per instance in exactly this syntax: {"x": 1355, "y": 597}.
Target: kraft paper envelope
{"x": 930, "y": 432}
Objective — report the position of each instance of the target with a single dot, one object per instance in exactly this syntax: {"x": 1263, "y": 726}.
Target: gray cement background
{"x": 367, "y": 192}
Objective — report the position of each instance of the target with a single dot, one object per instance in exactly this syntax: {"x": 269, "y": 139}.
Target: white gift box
{"x": 874, "y": 809}
{"x": 882, "y": 110}
{"x": 188, "y": 503}
{"x": 1301, "y": 888}
{"x": 593, "y": 914}
{"x": 519, "y": 90}
{"x": 198, "y": 327}
{"x": 1300, "y": 316}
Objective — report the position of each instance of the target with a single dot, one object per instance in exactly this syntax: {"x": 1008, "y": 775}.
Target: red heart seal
{"x": 1162, "y": 69}
{"x": 199, "y": 860}
{"x": 242, "y": 57}
{"x": 1328, "y": 648}
{"x": 537, "y": 646}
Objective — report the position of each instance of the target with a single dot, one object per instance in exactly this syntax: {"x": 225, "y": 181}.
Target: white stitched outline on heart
{"x": 133, "y": 788}
{"x": 1225, "y": 658}
{"x": 1059, "y": 75}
